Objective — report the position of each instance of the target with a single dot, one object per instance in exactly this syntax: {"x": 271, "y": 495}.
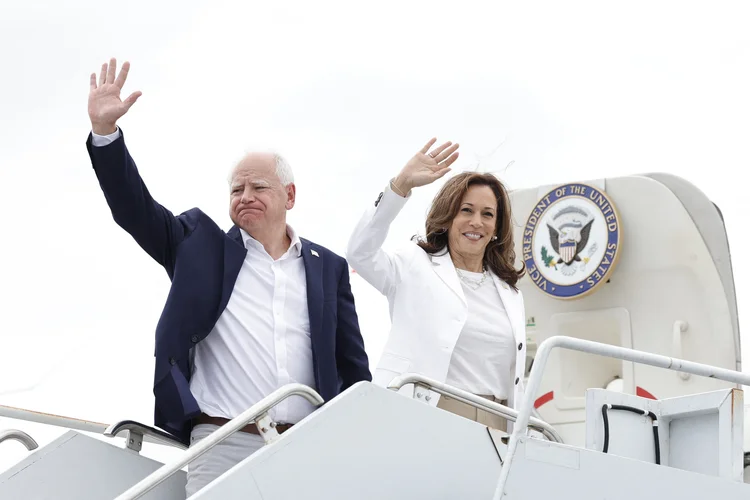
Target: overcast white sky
{"x": 347, "y": 91}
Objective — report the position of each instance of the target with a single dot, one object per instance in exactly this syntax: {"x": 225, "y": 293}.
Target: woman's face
{"x": 475, "y": 223}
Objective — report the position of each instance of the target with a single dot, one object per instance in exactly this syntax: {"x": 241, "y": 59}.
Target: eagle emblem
{"x": 571, "y": 241}
{"x": 569, "y": 233}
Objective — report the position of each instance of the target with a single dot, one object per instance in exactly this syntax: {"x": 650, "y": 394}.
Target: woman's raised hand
{"x": 426, "y": 166}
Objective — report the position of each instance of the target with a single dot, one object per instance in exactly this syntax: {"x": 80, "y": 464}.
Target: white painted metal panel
{"x": 708, "y": 219}
{"x": 700, "y": 433}
{"x": 78, "y": 467}
{"x": 369, "y": 443}
{"x": 545, "y": 470}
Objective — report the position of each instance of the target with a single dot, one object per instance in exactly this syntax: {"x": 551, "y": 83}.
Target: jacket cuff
{"x": 389, "y": 204}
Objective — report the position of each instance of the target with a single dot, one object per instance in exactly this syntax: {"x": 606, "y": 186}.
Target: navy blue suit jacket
{"x": 203, "y": 262}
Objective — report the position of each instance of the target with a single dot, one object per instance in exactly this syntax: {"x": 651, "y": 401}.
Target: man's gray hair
{"x": 283, "y": 169}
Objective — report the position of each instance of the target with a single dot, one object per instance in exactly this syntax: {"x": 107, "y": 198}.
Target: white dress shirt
{"x": 261, "y": 341}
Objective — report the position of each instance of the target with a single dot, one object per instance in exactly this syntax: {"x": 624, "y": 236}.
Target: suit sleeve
{"x": 152, "y": 226}
{"x": 351, "y": 358}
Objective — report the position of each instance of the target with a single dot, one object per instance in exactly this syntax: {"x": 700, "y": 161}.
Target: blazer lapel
{"x": 443, "y": 266}
{"x": 234, "y": 255}
{"x": 314, "y": 279}
{"x": 512, "y": 306}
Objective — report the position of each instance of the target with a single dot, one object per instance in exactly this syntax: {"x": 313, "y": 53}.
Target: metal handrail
{"x": 65, "y": 422}
{"x": 49, "y": 419}
{"x": 607, "y": 350}
{"x": 251, "y": 414}
{"x": 20, "y": 436}
{"x": 473, "y": 400}
{"x": 142, "y": 431}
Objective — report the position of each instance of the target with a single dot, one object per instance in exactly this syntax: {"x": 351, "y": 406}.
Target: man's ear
{"x": 291, "y": 196}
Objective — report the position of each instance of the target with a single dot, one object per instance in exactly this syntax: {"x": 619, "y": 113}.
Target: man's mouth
{"x": 249, "y": 211}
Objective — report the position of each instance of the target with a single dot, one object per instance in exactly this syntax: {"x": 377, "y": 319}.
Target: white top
{"x": 486, "y": 347}
{"x": 261, "y": 341}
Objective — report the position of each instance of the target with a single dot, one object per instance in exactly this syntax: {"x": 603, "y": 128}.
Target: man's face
{"x": 257, "y": 199}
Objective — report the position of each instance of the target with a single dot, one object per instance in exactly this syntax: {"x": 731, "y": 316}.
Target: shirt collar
{"x": 295, "y": 249}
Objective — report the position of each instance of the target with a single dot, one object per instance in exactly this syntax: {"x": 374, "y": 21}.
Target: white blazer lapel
{"x": 511, "y": 302}
{"x": 442, "y": 264}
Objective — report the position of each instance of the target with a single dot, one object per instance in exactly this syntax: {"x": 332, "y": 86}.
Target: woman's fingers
{"x": 436, "y": 152}
{"x": 428, "y": 146}
{"x": 446, "y": 153}
{"x": 449, "y": 161}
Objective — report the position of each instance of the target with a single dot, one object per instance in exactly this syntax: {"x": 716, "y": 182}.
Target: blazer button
{"x": 194, "y": 339}
{"x": 378, "y": 200}
{"x": 520, "y": 346}
{"x": 172, "y": 361}
{"x": 517, "y": 379}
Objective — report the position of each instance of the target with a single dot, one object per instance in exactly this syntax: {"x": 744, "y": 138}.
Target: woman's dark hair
{"x": 499, "y": 256}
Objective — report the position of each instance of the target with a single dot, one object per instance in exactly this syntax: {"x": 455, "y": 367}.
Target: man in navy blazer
{"x": 248, "y": 310}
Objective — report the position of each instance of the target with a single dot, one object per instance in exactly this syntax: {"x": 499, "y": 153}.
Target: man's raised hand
{"x": 105, "y": 105}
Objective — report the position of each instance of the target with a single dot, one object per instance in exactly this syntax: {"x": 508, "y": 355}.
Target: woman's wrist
{"x": 400, "y": 187}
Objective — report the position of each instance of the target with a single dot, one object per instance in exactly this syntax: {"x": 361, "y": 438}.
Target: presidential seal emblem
{"x": 571, "y": 241}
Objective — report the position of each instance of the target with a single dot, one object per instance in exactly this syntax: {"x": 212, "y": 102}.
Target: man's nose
{"x": 248, "y": 195}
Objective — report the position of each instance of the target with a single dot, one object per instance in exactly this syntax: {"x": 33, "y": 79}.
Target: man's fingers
{"x": 120, "y": 82}
{"x": 103, "y": 75}
{"x": 92, "y": 82}
{"x": 131, "y": 99}
{"x": 446, "y": 153}
{"x": 428, "y": 146}
{"x": 112, "y": 70}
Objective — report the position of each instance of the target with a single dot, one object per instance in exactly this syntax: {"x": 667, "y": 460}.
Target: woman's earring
{"x": 493, "y": 238}
{"x": 443, "y": 230}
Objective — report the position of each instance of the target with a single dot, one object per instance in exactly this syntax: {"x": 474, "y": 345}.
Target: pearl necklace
{"x": 472, "y": 283}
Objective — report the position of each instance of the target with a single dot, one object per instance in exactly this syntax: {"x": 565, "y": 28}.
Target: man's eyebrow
{"x": 254, "y": 183}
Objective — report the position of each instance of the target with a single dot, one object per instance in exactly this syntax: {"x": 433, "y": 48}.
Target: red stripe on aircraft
{"x": 640, "y": 391}
{"x": 546, "y": 398}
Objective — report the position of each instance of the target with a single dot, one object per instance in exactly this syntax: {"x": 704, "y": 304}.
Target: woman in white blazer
{"x": 456, "y": 314}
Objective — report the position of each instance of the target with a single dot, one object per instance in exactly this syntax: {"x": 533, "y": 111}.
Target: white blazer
{"x": 427, "y": 304}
